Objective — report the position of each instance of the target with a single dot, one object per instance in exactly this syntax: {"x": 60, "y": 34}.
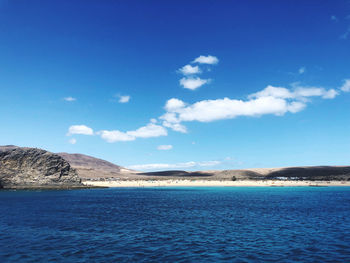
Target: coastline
{"x": 211, "y": 183}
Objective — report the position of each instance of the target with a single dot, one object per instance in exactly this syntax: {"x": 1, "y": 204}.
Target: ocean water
{"x": 243, "y": 224}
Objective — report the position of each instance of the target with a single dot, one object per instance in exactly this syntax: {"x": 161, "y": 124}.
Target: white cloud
{"x": 124, "y": 99}
{"x": 330, "y": 94}
{"x": 315, "y": 92}
{"x": 148, "y": 131}
{"x": 69, "y": 99}
{"x": 72, "y": 141}
{"x": 173, "y": 104}
{"x": 271, "y": 100}
{"x": 80, "y": 129}
{"x": 211, "y": 110}
{"x": 302, "y": 70}
{"x": 305, "y": 91}
{"x": 299, "y": 92}
{"x": 277, "y": 92}
{"x": 193, "y": 83}
{"x": 170, "y": 119}
{"x": 175, "y": 126}
{"x": 346, "y": 86}
{"x": 206, "y": 60}
{"x": 165, "y": 147}
{"x": 166, "y": 166}
{"x": 189, "y": 70}
{"x": 115, "y": 136}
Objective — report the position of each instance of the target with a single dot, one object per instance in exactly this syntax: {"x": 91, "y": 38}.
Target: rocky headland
{"x": 27, "y": 168}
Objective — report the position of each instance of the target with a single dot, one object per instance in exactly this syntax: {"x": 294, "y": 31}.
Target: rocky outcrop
{"x": 35, "y": 168}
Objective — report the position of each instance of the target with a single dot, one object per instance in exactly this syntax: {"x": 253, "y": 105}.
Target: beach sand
{"x": 208, "y": 183}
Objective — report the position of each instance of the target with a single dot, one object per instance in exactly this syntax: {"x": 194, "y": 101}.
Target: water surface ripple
{"x": 245, "y": 224}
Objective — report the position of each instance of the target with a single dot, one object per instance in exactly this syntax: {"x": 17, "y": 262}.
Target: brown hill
{"x": 89, "y": 167}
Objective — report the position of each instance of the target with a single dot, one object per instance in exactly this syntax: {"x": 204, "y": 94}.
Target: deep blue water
{"x": 176, "y": 224}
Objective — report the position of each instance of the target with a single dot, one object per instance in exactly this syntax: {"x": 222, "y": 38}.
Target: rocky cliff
{"x": 35, "y": 168}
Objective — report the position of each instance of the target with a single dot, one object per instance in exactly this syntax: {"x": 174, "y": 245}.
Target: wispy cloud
{"x": 346, "y": 86}
{"x": 166, "y": 166}
{"x": 346, "y": 34}
{"x": 69, "y": 99}
{"x": 165, "y": 147}
{"x": 193, "y": 83}
{"x": 211, "y": 60}
{"x": 72, "y": 141}
{"x": 299, "y": 92}
{"x": 302, "y": 70}
{"x": 334, "y": 18}
{"x": 123, "y": 98}
{"x": 80, "y": 129}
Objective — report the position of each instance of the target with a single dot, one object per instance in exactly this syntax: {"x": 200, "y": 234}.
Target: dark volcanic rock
{"x": 332, "y": 173}
{"x": 178, "y": 173}
{"x": 35, "y": 168}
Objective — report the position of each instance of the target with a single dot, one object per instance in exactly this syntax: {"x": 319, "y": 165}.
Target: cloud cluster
{"x": 190, "y": 81}
{"x": 271, "y": 100}
{"x": 167, "y": 166}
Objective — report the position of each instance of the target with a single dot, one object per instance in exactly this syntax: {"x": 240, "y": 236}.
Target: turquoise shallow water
{"x": 243, "y": 224}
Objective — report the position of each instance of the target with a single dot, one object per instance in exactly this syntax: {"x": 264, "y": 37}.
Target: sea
{"x": 180, "y": 224}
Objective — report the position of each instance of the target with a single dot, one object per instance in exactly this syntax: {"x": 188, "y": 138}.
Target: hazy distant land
{"x": 21, "y": 167}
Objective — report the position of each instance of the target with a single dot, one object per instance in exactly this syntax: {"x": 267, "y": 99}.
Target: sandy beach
{"x": 209, "y": 183}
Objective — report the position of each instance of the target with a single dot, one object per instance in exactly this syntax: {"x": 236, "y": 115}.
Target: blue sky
{"x": 156, "y": 85}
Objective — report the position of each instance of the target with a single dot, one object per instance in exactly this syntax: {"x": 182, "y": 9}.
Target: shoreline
{"x": 211, "y": 183}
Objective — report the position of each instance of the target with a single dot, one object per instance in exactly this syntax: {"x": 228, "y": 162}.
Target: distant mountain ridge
{"x": 91, "y": 168}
